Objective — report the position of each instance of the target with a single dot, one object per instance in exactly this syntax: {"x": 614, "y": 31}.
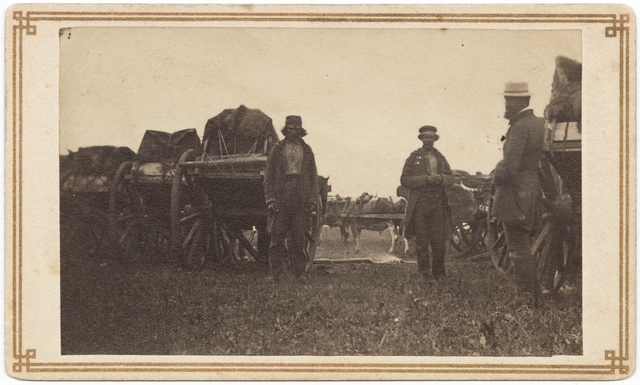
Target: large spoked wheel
{"x": 126, "y": 215}
{"x": 133, "y": 232}
{"x": 191, "y": 225}
{"x": 553, "y": 249}
{"x": 496, "y": 243}
{"x": 462, "y": 237}
{"x": 469, "y": 237}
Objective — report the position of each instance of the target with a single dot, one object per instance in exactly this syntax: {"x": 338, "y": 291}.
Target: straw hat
{"x": 516, "y": 89}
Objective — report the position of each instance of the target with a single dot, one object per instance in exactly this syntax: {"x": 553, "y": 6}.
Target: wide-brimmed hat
{"x": 428, "y": 131}
{"x": 293, "y": 120}
{"x": 516, "y": 89}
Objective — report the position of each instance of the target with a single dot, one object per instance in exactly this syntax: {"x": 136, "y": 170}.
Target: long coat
{"x": 414, "y": 177}
{"x": 517, "y": 198}
{"x": 275, "y": 173}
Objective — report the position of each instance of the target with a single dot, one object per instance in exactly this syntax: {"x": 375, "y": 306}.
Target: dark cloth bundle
{"x": 239, "y": 131}
{"x": 166, "y": 148}
{"x": 94, "y": 161}
{"x": 566, "y": 92}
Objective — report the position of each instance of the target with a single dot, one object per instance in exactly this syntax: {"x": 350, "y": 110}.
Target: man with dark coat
{"x": 291, "y": 194}
{"x": 518, "y": 197}
{"x": 427, "y": 175}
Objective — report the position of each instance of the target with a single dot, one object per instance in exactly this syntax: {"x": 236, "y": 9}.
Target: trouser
{"x": 519, "y": 243}
{"x": 288, "y": 234}
{"x": 429, "y": 224}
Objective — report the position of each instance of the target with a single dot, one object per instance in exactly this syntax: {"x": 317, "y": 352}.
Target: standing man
{"x": 518, "y": 198}
{"x": 291, "y": 194}
{"x": 427, "y": 175}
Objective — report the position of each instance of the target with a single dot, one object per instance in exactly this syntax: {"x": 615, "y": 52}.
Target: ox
{"x": 371, "y": 205}
{"x": 335, "y": 207}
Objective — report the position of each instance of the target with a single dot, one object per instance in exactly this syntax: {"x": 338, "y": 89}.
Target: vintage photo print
{"x": 290, "y": 192}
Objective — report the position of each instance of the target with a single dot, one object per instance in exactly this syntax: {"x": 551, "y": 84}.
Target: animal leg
{"x": 394, "y": 236}
{"x": 344, "y": 234}
{"x": 355, "y": 231}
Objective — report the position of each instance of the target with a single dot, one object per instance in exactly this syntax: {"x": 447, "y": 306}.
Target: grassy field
{"x": 343, "y": 309}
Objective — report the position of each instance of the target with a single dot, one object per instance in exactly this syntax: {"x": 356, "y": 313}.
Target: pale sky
{"x": 362, "y": 93}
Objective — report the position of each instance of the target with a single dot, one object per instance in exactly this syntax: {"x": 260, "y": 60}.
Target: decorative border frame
{"x": 615, "y": 26}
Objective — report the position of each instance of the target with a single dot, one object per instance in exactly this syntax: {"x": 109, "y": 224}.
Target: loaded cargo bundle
{"x": 563, "y": 114}
{"x": 566, "y": 92}
{"x": 239, "y": 131}
{"x": 91, "y": 168}
{"x": 166, "y": 148}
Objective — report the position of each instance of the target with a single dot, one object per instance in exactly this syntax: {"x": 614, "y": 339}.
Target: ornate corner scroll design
{"x": 619, "y": 24}
{"x": 24, "y": 22}
{"x": 616, "y": 362}
{"x": 24, "y": 360}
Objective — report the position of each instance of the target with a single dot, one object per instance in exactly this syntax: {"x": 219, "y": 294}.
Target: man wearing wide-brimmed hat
{"x": 291, "y": 194}
{"x": 518, "y": 197}
{"x": 427, "y": 175}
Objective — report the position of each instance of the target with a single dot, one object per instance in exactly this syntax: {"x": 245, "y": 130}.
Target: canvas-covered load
{"x": 166, "y": 148}
{"x": 91, "y": 168}
{"x": 566, "y": 93}
{"x": 240, "y": 131}
{"x": 96, "y": 160}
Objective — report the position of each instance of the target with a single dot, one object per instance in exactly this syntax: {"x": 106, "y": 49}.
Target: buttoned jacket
{"x": 414, "y": 177}
{"x": 518, "y": 198}
{"x": 275, "y": 174}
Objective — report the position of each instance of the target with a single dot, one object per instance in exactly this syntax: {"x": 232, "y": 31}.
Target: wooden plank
{"x": 240, "y": 212}
{"x": 373, "y": 216}
{"x": 210, "y": 174}
{"x": 242, "y": 160}
{"x": 246, "y": 244}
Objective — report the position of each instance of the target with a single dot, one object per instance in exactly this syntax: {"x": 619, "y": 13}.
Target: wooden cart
{"x": 140, "y": 196}
{"x": 219, "y": 190}
{"x": 85, "y": 179}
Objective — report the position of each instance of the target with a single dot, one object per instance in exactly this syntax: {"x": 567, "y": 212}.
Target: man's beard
{"x": 293, "y": 137}
{"x": 510, "y": 113}
{"x": 427, "y": 145}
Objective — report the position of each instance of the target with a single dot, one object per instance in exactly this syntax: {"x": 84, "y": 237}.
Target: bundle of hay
{"x": 566, "y": 92}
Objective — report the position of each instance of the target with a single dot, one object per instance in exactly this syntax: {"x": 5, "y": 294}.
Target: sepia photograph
{"x": 320, "y": 193}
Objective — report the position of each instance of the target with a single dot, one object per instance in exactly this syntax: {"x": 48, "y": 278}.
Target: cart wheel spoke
{"x": 190, "y": 235}
{"x": 190, "y": 217}
{"x": 495, "y": 243}
{"x": 553, "y": 251}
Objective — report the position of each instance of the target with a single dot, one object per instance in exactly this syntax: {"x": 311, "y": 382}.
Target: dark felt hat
{"x": 293, "y": 120}
{"x": 428, "y": 131}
